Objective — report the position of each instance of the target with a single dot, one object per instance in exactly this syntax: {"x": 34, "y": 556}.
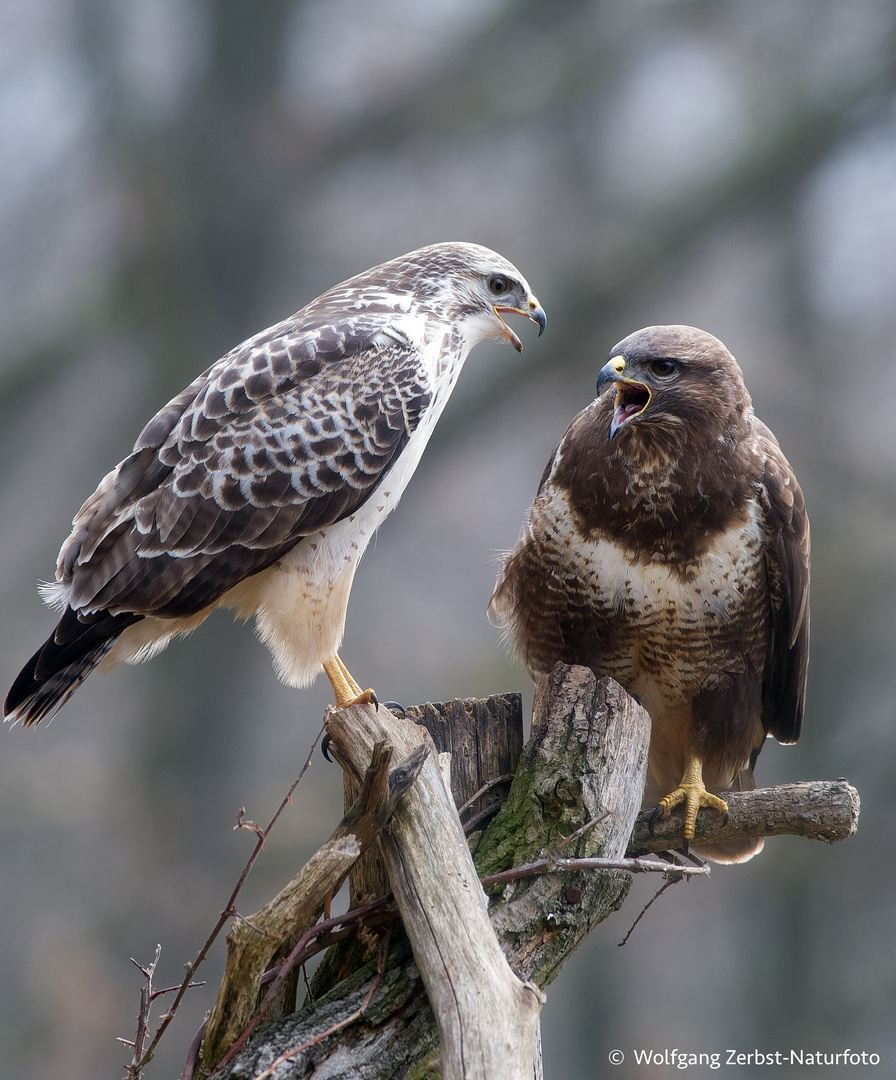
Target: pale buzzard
{"x": 259, "y": 487}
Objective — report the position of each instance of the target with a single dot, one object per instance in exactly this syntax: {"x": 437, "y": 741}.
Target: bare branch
{"x": 147, "y": 996}
{"x": 818, "y": 809}
{"x": 487, "y": 786}
{"x": 142, "y": 1059}
{"x": 559, "y": 866}
{"x": 567, "y": 840}
{"x": 648, "y": 905}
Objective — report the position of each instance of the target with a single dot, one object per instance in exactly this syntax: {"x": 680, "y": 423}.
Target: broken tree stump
{"x": 484, "y": 738}
{"x": 585, "y": 759}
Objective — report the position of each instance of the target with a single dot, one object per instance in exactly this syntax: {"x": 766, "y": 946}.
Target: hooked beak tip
{"x": 538, "y": 316}
{"x": 535, "y": 312}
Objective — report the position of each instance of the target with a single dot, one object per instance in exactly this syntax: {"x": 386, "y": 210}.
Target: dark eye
{"x": 663, "y": 367}
{"x": 498, "y": 285}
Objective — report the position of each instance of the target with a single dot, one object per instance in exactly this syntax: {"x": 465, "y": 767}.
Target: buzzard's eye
{"x": 498, "y": 285}
{"x": 663, "y": 367}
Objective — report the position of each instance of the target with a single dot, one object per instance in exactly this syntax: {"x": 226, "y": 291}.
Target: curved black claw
{"x": 653, "y": 817}
{"x": 325, "y": 745}
{"x": 396, "y": 707}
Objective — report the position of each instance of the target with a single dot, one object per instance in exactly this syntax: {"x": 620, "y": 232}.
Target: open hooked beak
{"x": 533, "y": 311}
{"x": 632, "y": 397}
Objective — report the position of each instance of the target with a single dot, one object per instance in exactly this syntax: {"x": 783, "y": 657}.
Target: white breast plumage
{"x": 713, "y": 585}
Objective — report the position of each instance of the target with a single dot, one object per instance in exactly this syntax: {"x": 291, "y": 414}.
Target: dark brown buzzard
{"x": 259, "y": 487}
{"x": 668, "y": 547}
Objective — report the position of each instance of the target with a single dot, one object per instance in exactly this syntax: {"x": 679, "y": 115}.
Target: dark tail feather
{"x": 62, "y": 663}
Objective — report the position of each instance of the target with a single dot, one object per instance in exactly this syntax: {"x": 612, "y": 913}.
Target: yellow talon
{"x": 692, "y": 792}
{"x": 344, "y": 686}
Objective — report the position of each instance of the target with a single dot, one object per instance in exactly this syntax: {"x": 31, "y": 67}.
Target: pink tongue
{"x": 623, "y": 412}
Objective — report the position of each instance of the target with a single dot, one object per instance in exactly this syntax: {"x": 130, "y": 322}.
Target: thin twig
{"x": 551, "y": 866}
{"x": 655, "y": 897}
{"x": 146, "y": 999}
{"x": 242, "y": 918}
{"x": 580, "y": 832}
{"x": 481, "y": 816}
{"x": 487, "y": 786}
{"x": 228, "y": 913}
{"x": 193, "y": 1053}
{"x": 171, "y": 989}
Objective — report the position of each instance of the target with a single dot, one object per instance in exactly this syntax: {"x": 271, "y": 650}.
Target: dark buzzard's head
{"x": 676, "y": 380}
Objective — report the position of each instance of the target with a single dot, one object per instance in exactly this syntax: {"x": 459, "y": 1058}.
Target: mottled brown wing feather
{"x": 784, "y": 690}
{"x": 287, "y": 435}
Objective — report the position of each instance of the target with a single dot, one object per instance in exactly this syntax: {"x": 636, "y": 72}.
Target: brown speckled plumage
{"x": 673, "y": 557}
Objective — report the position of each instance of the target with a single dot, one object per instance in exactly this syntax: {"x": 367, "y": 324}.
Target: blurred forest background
{"x": 178, "y": 174}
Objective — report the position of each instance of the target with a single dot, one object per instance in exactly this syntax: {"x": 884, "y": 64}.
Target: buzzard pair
{"x": 667, "y": 546}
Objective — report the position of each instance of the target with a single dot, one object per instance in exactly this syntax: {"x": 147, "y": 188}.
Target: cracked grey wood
{"x": 558, "y": 788}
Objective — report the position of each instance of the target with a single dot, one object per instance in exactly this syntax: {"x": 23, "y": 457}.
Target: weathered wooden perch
{"x": 825, "y": 810}
{"x": 484, "y": 740}
{"x": 585, "y": 759}
{"x": 254, "y": 942}
{"x": 487, "y": 1016}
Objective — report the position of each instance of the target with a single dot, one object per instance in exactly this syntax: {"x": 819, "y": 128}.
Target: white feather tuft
{"x": 54, "y": 594}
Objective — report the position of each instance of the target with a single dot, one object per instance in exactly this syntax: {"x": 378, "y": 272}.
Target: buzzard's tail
{"x": 62, "y": 663}
{"x": 731, "y": 851}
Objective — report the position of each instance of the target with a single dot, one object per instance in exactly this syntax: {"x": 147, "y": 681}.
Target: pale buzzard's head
{"x": 466, "y": 287}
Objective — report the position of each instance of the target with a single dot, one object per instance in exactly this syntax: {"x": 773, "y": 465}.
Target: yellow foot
{"x": 344, "y": 686}
{"x": 692, "y": 792}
